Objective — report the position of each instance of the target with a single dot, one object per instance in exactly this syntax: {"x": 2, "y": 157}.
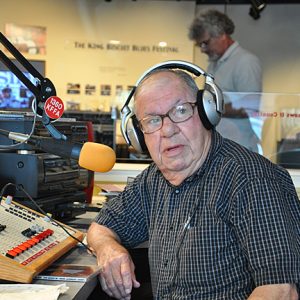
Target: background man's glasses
{"x": 177, "y": 114}
{"x": 204, "y": 44}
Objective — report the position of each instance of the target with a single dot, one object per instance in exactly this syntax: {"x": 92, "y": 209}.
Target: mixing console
{"x": 30, "y": 241}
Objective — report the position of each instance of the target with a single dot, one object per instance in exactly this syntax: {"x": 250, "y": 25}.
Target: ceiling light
{"x": 162, "y": 44}
{"x": 256, "y": 8}
{"x": 114, "y": 42}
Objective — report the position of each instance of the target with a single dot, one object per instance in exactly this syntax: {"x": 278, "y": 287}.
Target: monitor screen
{"x": 14, "y": 95}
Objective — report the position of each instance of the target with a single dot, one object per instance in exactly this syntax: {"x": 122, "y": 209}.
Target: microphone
{"x": 91, "y": 156}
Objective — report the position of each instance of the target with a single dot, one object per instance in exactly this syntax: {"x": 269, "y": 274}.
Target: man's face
{"x": 175, "y": 147}
{"x": 213, "y": 47}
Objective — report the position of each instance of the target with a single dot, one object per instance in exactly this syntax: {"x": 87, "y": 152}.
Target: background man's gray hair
{"x": 211, "y": 21}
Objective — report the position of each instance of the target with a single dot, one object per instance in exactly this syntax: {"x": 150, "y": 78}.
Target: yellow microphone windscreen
{"x": 97, "y": 157}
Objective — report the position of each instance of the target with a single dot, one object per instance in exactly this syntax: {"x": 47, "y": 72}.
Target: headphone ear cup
{"x": 201, "y": 110}
{"x": 135, "y": 135}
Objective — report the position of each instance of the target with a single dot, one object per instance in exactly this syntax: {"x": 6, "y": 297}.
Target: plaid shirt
{"x": 230, "y": 227}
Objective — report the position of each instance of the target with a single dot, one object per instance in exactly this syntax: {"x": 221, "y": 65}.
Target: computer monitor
{"x": 14, "y": 95}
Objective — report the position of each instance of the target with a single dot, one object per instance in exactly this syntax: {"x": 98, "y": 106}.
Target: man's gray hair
{"x": 181, "y": 74}
{"x": 184, "y": 76}
{"x": 211, "y": 21}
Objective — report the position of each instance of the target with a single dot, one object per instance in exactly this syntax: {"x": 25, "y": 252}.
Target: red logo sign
{"x": 54, "y": 107}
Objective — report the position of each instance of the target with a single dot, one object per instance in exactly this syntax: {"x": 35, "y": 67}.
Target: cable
{"x": 44, "y": 213}
{"x": 13, "y": 146}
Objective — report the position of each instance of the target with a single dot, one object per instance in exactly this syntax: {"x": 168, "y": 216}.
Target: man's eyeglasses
{"x": 204, "y": 44}
{"x": 177, "y": 114}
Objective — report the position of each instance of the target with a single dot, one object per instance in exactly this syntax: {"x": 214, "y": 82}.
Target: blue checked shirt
{"x": 230, "y": 227}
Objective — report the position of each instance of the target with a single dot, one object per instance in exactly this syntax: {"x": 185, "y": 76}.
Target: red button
{"x": 35, "y": 240}
{"x": 27, "y": 245}
{"x": 11, "y": 253}
{"x": 49, "y": 231}
{"x": 22, "y": 247}
{"x": 39, "y": 237}
{"x": 31, "y": 242}
{"x": 17, "y": 250}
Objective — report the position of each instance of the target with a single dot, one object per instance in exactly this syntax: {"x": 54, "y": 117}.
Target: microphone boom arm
{"x": 42, "y": 91}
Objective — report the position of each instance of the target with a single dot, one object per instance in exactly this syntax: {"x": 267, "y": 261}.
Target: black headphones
{"x": 210, "y": 104}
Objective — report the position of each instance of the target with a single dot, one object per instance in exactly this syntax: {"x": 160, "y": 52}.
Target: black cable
{"x": 44, "y": 213}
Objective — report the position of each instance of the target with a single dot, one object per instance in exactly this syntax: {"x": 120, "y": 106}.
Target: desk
{"x": 83, "y": 290}
{"x": 77, "y": 290}
{"x": 79, "y": 255}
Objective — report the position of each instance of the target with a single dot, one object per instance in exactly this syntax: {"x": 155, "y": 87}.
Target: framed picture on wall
{"x": 90, "y": 89}
{"x": 73, "y": 88}
{"x": 27, "y": 39}
{"x": 105, "y": 90}
{"x": 130, "y": 87}
{"x": 119, "y": 90}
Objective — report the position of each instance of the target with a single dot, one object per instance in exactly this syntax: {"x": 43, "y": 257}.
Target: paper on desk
{"x": 31, "y": 291}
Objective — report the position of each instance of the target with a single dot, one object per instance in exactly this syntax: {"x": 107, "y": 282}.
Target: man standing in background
{"x": 234, "y": 68}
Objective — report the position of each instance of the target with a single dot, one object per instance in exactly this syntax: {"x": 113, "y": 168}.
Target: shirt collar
{"x": 228, "y": 52}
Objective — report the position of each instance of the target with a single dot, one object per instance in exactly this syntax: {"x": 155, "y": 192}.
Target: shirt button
{"x": 177, "y": 191}
{"x": 166, "y": 263}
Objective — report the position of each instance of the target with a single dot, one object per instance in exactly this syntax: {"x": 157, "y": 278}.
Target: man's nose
{"x": 168, "y": 126}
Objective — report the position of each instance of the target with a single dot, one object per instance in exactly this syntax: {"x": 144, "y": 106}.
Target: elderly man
{"x": 222, "y": 222}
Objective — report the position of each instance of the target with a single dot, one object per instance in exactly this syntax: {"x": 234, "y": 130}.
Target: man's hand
{"x": 275, "y": 292}
{"x": 117, "y": 275}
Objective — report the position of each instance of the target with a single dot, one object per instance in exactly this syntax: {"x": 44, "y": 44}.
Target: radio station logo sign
{"x": 54, "y": 107}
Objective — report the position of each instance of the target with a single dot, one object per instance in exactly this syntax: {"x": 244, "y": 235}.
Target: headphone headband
{"x": 209, "y": 101}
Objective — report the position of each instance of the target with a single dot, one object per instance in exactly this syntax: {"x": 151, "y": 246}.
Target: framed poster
{"x": 27, "y": 39}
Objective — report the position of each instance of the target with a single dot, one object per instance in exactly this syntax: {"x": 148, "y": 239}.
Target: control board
{"x": 30, "y": 241}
